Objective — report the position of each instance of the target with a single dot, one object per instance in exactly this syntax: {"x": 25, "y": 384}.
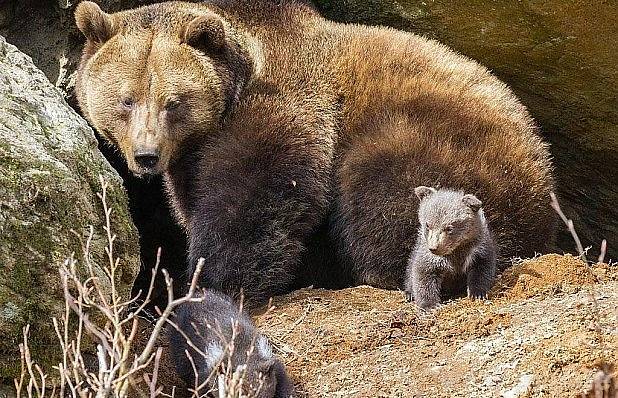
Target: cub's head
{"x": 156, "y": 79}
{"x": 448, "y": 218}
{"x": 263, "y": 375}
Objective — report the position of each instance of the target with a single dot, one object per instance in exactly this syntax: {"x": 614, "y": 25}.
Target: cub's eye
{"x": 172, "y": 104}
{"x": 426, "y": 225}
{"x": 127, "y": 103}
{"x": 449, "y": 229}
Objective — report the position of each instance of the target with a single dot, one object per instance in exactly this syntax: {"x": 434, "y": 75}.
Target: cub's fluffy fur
{"x": 454, "y": 241}
{"x": 229, "y": 341}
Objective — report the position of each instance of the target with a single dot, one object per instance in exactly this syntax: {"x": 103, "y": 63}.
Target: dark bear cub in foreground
{"x": 229, "y": 342}
{"x": 453, "y": 241}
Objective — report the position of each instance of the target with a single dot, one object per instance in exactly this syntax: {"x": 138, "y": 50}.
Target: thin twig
{"x": 171, "y": 305}
{"x": 603, "y": 250}
{"x": 569, "y": 224}
{"x": 592, "y": 293}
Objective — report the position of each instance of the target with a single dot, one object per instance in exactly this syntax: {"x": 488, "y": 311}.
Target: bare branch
{"x": 603, "y": 251}
{"x": 569, "y": 224}
{"x": 171, "y": 305}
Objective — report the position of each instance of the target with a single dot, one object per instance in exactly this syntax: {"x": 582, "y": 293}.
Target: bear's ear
{"x": 205, "y": 32}
{"x": 93, "y": 22}
{"x": 472, "y": 202}
{"x": 422, "y": 192}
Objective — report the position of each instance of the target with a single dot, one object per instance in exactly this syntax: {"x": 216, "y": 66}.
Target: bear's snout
{"x": 147, "y": 160}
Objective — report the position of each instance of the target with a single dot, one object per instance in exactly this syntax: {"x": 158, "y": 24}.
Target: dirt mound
{"x": 537, "y": 336}
{"x": 550, "y": 274}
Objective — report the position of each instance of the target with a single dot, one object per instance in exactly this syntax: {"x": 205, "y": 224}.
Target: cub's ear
{"x": 422, "y": 192}
{"x": 93, "y": 22}
{"x": 205, "y": 32}
{"x": 472, "y": 202}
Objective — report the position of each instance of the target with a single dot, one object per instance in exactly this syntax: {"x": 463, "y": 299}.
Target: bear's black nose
{"x": 146, "y": 159}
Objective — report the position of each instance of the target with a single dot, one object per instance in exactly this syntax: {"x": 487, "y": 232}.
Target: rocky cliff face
{"x": 49, "y": 180}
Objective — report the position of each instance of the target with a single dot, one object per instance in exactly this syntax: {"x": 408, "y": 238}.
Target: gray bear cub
{"x": 227, "y": 337}
{"x": 453, "y": 241}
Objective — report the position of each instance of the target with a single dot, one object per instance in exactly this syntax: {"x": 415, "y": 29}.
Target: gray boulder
{"x": 49, "y": 178}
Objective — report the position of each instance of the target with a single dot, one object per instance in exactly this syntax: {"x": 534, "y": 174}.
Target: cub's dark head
{"x": 153, "y": 79}
{"x": 448, "y": 218}
{"x": 263, "y": 375}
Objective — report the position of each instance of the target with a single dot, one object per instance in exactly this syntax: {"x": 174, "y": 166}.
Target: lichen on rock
{"x": 49, "y": 180}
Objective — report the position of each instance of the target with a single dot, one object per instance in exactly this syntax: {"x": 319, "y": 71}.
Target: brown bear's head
{"x": 155, "y": 79}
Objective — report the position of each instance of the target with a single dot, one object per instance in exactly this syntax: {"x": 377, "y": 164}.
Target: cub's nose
{"x": 146, "y": 159}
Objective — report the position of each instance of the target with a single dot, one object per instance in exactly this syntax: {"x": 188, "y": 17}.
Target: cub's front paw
{"x": 409, "y": 296}
{"x": 477, "y": 294}
{"x": 428, "y": 305}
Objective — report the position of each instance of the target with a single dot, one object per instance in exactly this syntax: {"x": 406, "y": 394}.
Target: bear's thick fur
{"x": 270, "y": 123}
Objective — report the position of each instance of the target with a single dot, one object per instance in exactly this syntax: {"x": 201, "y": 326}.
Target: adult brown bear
{"x": 269, "y": 121}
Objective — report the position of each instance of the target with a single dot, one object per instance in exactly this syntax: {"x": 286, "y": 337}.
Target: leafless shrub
{"x": 231, "y": 381}
{"x": 571, "y": 227}
{"x": 118, "y": 370}
{"x": 604, "y": 383}
{"x": 117, "y": 366}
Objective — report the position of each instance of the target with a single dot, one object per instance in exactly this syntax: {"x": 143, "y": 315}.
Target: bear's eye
{"x": 127, "y": 103}
{"x": 449, "y": 229}
{"x": 172, "y": 104}
{"x": 426, "y": 225}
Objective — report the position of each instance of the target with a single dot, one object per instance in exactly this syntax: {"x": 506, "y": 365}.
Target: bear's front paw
{"x": 477, "y": 294}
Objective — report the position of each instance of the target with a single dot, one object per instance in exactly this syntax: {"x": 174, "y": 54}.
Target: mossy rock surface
{"x": 49, "y": 180}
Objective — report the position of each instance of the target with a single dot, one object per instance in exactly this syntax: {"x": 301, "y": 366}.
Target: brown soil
{"x": 537, "y": 336}
{"x": 550, "y": 274}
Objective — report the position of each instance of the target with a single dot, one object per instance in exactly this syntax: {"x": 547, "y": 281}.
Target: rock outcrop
{"x": 46, "y": 31}
{"x": 49, "y": 180}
